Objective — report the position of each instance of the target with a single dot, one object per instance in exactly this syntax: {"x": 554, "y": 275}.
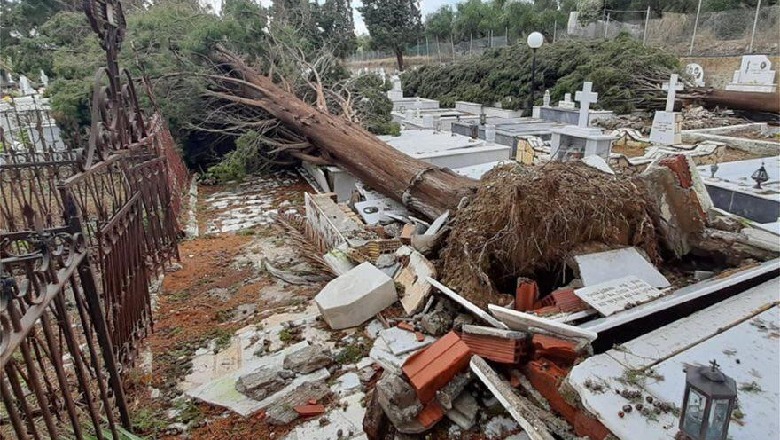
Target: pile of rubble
{"x": 694, "y": 118}
{"x": 406, "y": 351}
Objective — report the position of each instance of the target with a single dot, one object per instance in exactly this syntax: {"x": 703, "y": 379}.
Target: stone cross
{"x": 671, "y": 87}
{"x": 586, "y": 97}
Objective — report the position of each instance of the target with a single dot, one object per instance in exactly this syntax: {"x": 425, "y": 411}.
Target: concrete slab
{"x": 599, "y": 267}
{"x": 617, "y": 295}
{"x": 401, "y": 342}
{"x": 740, "y": 333}
{"x": 355, "y": 297}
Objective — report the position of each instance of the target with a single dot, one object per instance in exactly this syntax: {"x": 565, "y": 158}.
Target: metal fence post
{"x": 555, "y": 31}
{"x": 606, "y": 27}
{"x": 755, "y": 22}
{"x": 695, "y": 28}
{"x": 647, "y": 22}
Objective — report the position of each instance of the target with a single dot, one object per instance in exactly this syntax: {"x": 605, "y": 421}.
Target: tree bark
{"x": 399, "y": 58}
{"x": 420, "y": 186}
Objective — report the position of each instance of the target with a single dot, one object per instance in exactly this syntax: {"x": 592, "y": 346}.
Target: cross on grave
{"x": 671, "y": 88}
{"x": 586, "y": 97}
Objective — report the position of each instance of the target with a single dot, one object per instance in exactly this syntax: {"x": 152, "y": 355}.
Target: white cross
{"x": 585, "y": 96}
{"x": 670, "y": 88}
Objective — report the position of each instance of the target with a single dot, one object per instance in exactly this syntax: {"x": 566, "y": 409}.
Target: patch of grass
{"x": 352, "y": 353}
{"x": 638, "y": 377}
{"x": 148, "y": 420}
{"x": 752, "y": 387}
{"x": 286, "y": 335}
{"x": 223, "y": 316}
{"x": 246, "y": 232}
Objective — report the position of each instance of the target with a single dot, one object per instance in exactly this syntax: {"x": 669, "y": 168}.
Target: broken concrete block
{"x": 283, "y": 411}
{"x": 401, "y": 341}
{"x": 437, "y": 322}
{"x": 447, "y": 395}
{"x": 468, "y": 305}
{"x": 355, "y": 297}
{"x": 311, "y": 358}
{"x": 262, "y": 382}
{"x": 399, "y": 403}
{"x": 413, "y": 277}
{"x": 682, "y": 201}
{"x": 464, "y": 411}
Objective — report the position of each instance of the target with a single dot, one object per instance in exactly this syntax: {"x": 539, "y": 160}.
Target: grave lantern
{"x": 709, "y": 399}
{"x": 535, "y": 41}
{"x": 760, "y": 176}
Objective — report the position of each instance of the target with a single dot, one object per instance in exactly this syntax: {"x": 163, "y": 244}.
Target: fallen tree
{"x": 328, "y": 138}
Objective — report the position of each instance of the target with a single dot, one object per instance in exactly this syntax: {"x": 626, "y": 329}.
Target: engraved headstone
{"x": 755, "y": 74}
{"x": 617, "y": 295}
{"x": 24, "y": 86}
{"x": 667, "y": 125}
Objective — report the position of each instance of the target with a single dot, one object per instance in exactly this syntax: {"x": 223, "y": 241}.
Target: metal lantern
{"x": 760, "y": 176}
{"x": 709, "y": 400}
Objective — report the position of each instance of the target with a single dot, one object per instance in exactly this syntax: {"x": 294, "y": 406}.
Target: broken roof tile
{"x": 309, "y": 410}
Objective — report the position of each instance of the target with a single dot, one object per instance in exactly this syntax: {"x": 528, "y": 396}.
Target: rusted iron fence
{"x": 83, "y": 229}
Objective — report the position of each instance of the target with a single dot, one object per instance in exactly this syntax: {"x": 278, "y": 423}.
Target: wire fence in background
{"x": 726, "y": 33}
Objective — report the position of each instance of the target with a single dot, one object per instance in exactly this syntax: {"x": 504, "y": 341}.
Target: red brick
{"x": 565, "y": 300}
{"x": 562, "y": 351}
{"x": 431, "y": 414}
{"x": 496, "y": 349}
{"x": 420, "y": 336}
{"x": 546, "y": 377}
{"x": 526, "y": 295}
{"x": 309, "y": 410}
{"x": 430, "y": 369}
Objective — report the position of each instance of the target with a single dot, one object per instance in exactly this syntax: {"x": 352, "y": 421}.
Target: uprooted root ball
{"x": 528, "y": 219}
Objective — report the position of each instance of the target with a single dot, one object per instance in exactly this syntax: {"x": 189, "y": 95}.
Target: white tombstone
{"x": 490, "y": 134}
{"x": 696, "y": 72}
{"x": 567, "y": 102}
{"x": 396, "y": 93}
{"x": 546, "y": 99}
{"x": 755, "y": 74}
{"x": 578, "y": 141}
{"x": 44, "y": 79}
{"x": 24, "y": 86}
{"x": 667, "y": 125}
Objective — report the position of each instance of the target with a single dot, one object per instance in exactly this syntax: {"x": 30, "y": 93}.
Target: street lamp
{"x": 710, "y": 397}
{"x": 535, "y": 41}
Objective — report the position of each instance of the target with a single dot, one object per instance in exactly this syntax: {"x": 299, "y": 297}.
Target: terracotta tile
{"x": 406, "y": 326}
{"x": 420, "y": 336}
{"x": 526, "y": 295}
{"x": 309, "y": 410}
{"x": 312, "y": 401}
{"x": 507, "y": 351}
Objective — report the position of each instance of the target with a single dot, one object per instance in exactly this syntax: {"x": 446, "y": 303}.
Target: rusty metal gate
{"x": 83, "y": 229}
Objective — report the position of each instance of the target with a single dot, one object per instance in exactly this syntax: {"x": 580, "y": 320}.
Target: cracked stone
{"x": 311, "y": 358}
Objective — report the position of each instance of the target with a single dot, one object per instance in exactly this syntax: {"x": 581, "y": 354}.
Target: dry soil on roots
{"x": 528, "y": 219}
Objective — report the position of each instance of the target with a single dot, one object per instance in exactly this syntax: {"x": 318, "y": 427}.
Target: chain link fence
{"x": 726, "y": 33}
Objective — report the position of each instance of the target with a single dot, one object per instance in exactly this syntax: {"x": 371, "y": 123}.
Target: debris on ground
{"x": 445, "y": 328}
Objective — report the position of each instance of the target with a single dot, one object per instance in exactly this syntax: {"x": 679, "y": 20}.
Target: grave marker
{"x": 697, "y": 73}
{"x": 578, "y": 141}
{"x": 755, "y": 74}
{"x": 585, "y": 97}
{"x": 24, "y": 86}
{"x": 567, "y": 102}
{"x": 667, "y": 125}
{"x": 617, "y": 295}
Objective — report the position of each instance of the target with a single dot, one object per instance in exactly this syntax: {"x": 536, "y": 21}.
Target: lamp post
{"x": 710, "y": 397}
{"x": 535, "y": 41}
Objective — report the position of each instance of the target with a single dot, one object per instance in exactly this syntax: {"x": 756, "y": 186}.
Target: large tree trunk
{"x": 422, "y": 187}
{"x": 399, "y": 57}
